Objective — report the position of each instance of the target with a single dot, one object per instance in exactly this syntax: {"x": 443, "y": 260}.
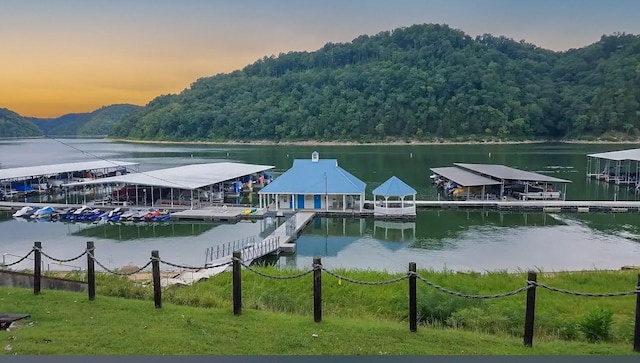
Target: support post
{"x": 413, "y": 300}
{"x": 317, "y": 289}
{"x": 237, "y": 283}
{"x": 91, "y": 271}
{"x": 155, "y": 268}
{"x": 529, "y": 319}
{"x": 636, "y": 332}
{"x": 37, "y": 267}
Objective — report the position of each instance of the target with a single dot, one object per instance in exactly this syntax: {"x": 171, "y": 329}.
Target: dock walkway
{"x": 218, "y": 213}
{"x": 282, "y": 239}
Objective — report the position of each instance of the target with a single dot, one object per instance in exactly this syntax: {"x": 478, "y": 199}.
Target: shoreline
{"x": 378, "y": 143}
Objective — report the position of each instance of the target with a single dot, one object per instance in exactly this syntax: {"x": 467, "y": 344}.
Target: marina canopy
{"x": 464, "y": 178}
{"x": 620, "y": 155}
{"x": 44, "y": 170}
{"x": 507, "y": 173}
{"x": 188, "y": 177}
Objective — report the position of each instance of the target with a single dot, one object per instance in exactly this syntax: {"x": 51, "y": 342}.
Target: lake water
{"x": 458, "y": 240}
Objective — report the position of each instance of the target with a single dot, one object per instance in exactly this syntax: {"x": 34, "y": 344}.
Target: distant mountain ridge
{"x": 423, "y": 82}
{"x": 96, "y": 123}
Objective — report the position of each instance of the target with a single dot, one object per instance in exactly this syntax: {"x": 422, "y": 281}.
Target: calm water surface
{"x": 475, "y": 240}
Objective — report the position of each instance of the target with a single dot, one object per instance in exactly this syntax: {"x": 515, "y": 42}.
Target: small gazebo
{"x": 394, "y": 191}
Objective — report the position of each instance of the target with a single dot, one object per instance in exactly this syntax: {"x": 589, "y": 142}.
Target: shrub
{"x": 569, "y": 330}
{"x": 437, "y": 307}
{"x": 596, "y": 325}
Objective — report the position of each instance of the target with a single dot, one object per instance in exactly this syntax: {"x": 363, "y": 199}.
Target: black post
{"x": 413, "y": 299}
{"x": 636, "y": 333}
{"x": 37, "y": 267}
{"x": 530, "y": 313}
{"x": 317, "y": 289}
{"x": 91, "y": 271}
{"x": 237, "y": 283}
{"x": 155, "y": 268}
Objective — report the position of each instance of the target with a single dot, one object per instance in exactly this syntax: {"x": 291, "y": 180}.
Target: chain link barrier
{"x": 185, "y": 267}
{"x": 588, "y": 294}
{"x": 530, "y": 284}
{"x": 60, "y": 260}
{"x": 120, "y": 273}
{"x": 20, "y": 260}
{"x": 291, "y": 277}
{"x": 470, "y": 296}
{"x": 370, "y": 283}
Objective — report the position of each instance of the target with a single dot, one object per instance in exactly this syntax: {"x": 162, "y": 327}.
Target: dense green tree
{"x": 420, "y": 82}
{"x": 96, "y": 123}
{"x": 14, "y": 125}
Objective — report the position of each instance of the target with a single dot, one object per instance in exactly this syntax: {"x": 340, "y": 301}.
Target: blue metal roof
{"x": 315, "y": 177}
{"x": 394, "y": 187}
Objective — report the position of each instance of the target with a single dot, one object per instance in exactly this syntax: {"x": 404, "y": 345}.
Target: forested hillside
{"x": 14, "y": 125}
{"x": 95, "y": 123}
{"x": 421, "y": 82}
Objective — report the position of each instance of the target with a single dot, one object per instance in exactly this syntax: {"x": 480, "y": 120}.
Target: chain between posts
{"x": 587, "y": 294}
{"x": 61, "y": 260}
{"x": 370, "y": 283}
{"x": 20, "y": 260}
{"x": 120, "y": 273}
{"x": 278, "y": 277}
{"x": 470, "y": 296}
{"x": 185, "y": 267}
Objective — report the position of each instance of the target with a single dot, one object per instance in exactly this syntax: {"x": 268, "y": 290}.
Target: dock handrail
{"x": 73, "y": 267}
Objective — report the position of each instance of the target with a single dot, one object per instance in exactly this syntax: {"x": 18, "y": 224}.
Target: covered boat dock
{"x": 198, "y": 180}
{"x": 21, "y": 181}
{"x": 618, "y": 167}
{"x": 467, "y": 180}
{"x": 481, "y": 181}
{"x": 518, "y": 183}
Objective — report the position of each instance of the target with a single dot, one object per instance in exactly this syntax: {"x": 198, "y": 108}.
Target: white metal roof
{"x": 629, "y": 154}
{"x": 42, "y": 170}
{"x": 464, "y": 178}
{"x": 506, "y": 172}
{"x": 192, "y": 176}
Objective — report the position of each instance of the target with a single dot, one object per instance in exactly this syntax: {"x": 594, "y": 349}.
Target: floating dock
{"x": 222, "y": 213}
{"x": 282, "y": 239}
{"x": 234, "y": 213}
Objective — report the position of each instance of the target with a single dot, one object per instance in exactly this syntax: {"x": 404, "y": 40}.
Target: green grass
{"x": 66, "y": 323}
{"x": 557, "y": 315}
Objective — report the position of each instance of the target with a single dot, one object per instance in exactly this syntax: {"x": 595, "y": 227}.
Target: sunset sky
{"x": 75, "y": 56}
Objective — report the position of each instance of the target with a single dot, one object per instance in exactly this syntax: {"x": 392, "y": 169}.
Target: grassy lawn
{"x": 558, "y": 316}
{"x": 67, "y": 323}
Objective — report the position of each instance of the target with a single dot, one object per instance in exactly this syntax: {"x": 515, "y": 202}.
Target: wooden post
{"x": 91, "y": 271}
{"x": 237, "y": 283}
{"x": 413, "y": 300}
{"x": 636, "y": 332}
{"x": 37, "y": 267}
{"x": 155, "y": 268}
{"x": 317, "y": 289}
{"x": 529, "y": 318}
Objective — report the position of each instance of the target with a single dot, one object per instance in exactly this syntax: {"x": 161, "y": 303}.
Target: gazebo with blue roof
{"x": 394, "y": 187}
{"x": 314, "y": 184}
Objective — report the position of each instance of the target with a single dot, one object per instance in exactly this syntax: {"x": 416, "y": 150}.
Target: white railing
{"x": 394, "y": 211}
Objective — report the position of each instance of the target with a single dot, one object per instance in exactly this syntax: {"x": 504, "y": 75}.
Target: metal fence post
{"x": 529, "y": 319}
{"x": 413, "y": 303}
{"x": 317, "y": 289}
{"x": 91, "y": 271}
{"x": 37, "y": 267}
{"x": 155, "y": 268}
{"x": 237, "y": 283}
